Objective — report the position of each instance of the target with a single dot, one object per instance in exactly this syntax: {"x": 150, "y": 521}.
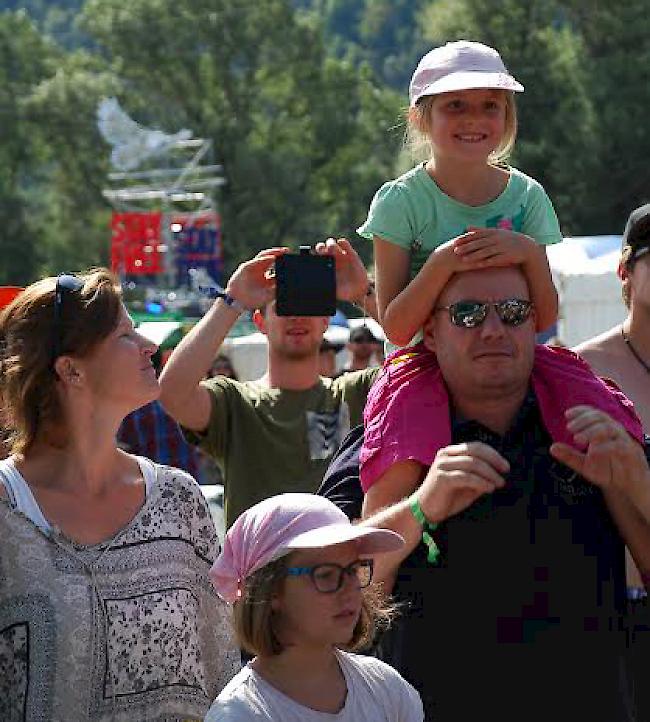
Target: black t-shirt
{"x": 522, "y": 616}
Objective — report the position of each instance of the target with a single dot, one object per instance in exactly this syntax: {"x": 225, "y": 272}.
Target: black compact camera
{"x": 305, "y": 284}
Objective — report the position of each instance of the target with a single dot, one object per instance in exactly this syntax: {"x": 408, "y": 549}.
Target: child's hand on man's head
{"x": 492, "y": 247}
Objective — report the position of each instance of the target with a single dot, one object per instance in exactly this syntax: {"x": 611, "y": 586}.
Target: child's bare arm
{"x": 496, "y": 247}
{"x": 404, "y": 307}
{"x": 542, "y": 289}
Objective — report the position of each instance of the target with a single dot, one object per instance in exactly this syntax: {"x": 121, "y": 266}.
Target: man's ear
{"x": 624, "y": 274}
{"x": 428, "y": 335}
{"x": 259, "y": 321}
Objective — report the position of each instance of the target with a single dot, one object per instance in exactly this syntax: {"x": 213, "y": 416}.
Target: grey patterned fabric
{"x": 126, "y": 630}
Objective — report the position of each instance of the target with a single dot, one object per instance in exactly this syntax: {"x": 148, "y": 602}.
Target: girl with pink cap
{"x": 462, "y": 209}
{"x": 299, "y": 577}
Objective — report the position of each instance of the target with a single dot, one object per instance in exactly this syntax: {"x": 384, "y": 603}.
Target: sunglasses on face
{"x": 470, "y": 314}
{"x": 328, "y": 578}
{"x": 66, "y": 285}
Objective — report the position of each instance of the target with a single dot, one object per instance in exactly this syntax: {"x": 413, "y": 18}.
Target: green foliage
{"x": 301, "y": 99}
{"x": 617, "y": 46}
{"x": 383, "y": 33}
{"x": 24, "y": 60}
{"x": 302, "y": 137}
{"x": 55, "y": 18}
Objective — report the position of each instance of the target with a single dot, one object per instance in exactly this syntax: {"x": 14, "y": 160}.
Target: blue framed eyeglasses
{"x": 66, "y": 284}
{"x": 328, "y": 578}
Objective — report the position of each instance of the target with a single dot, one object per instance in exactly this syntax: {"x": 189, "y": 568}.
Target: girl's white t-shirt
{"x": 376, "y": 693}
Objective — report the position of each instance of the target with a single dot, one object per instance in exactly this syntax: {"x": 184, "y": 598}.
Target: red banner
{"x": 136, "y": 245}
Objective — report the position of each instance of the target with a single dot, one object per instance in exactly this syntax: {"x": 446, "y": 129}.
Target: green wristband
{"x": 427, "y": 527}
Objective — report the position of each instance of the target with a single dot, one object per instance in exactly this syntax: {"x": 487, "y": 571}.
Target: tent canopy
{"x": 585, "y": 274}
{"x": 165, "y": 334}
{"x": 585, "y": 255}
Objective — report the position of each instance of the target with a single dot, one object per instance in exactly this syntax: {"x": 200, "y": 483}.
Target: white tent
{"x": 584, "y": 271}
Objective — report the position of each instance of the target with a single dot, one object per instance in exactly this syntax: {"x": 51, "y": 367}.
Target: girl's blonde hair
{"x": 28, "y": 336}
{"x": 254, "y": 621}
{"x": 418, "y": 120}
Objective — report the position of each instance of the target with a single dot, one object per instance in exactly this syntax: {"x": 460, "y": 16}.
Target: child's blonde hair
{"x": 418, "y": 120}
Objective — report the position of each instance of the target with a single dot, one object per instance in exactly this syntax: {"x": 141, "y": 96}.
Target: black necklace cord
{"x": 634, "y": 352}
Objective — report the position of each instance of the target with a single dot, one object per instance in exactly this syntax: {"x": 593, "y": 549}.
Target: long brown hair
{"x": 28, "y": 335}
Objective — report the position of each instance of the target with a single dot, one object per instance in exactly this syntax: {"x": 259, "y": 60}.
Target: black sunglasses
{"x": 470, "y": 314}
{"x": 66, "y": 284}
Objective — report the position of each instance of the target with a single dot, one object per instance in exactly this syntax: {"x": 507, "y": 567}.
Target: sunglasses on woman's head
{"x": 470, "y": 314}
{"x": 66, "y": 284}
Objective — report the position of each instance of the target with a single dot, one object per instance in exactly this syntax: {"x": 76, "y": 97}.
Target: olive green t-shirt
{"x": 414, "y": 213}
{"x": 269, "y": 441}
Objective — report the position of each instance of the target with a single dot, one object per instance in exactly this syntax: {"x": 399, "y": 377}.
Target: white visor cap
{"x": 461, "y": 65}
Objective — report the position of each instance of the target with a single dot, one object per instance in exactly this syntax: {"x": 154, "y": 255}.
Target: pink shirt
{"x": 407, "y": 412}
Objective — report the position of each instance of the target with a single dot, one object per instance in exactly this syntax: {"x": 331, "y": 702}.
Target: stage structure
{"x": 166, "y": 228}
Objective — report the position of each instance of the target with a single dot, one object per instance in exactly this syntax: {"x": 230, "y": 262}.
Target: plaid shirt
{"x": 149, "y": 431}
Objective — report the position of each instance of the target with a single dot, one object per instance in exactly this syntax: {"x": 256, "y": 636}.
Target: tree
{"x": 74, "y": 215}
{"x": 24, "y": 61}
{"x": 304, "y": 138}
{"x": 617, "y": 45}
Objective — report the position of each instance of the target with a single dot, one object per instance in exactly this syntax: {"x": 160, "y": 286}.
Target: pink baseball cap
{"x": 281, "y": 524}
{"x": 461, "y": 65}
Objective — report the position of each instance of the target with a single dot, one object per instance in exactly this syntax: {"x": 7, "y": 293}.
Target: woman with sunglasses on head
{"x": 299, "y": 577}
{"x": 106, "y": 612}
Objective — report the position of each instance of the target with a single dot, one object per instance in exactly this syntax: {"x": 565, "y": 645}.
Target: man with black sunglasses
{"x": 513, "y": 575}
{"x": 623, "y": 354}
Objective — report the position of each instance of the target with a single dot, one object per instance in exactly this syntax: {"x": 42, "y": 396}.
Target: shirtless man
{"x": 623, "y": 354}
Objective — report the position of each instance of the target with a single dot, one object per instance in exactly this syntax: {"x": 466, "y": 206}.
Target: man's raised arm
{"x": 181, "y": 392}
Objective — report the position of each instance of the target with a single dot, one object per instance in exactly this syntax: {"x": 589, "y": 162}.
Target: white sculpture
{"x": 132, "y": 143}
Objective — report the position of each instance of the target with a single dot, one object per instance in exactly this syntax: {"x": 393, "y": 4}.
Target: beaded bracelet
{"x": 433, "y": 555}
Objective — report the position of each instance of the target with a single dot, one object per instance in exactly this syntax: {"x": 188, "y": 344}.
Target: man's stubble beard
{"x": 298, "y": 354}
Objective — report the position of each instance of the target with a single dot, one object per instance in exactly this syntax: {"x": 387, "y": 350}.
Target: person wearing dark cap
{"x": 364, "y": 347}
{"x": 623, "y": 354}
{"x": 327, "y": 358}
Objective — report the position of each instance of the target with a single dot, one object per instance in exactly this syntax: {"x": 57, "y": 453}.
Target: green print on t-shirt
{"x": 514, "y": 223}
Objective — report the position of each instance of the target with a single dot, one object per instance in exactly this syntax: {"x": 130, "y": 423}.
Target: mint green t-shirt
{"x": 269, "y": 441}
{"x": 412, "y": 212}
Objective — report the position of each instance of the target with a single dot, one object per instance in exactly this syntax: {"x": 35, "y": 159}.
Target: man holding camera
{"x": 278, "y": 433}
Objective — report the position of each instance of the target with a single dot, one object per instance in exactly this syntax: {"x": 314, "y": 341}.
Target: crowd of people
{"x": 440, "y": 536}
